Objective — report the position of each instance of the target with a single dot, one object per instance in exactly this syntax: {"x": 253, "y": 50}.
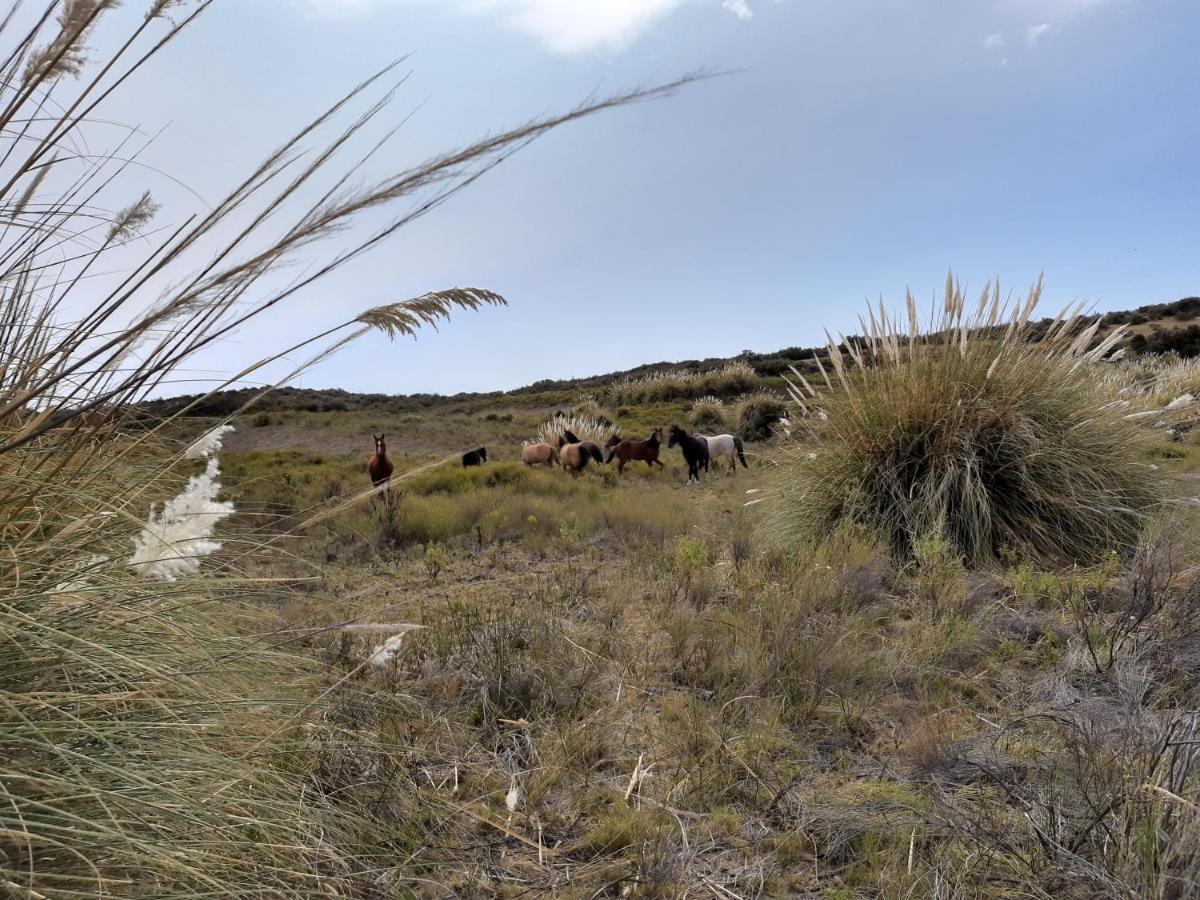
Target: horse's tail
{"x": 595, "y": 453}
{"x": 737, "y": 444}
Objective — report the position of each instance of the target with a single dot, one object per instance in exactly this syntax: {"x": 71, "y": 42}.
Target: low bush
{"x": 707, "y": 415}
{"x": 758, "y": 415}
{"x": 983, "y": 438}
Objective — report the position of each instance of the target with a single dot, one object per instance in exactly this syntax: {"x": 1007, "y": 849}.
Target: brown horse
{"x": 575, "y": 456}
{"x": 626, "y": 450}
{"x": 379, "y": 466}
{"x": 537, "y": 453}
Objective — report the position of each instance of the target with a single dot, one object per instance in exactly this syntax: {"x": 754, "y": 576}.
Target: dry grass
{"x": 973, "y": 432}
{"x": 584, "y": 427}
{"x": 159, "y": 739}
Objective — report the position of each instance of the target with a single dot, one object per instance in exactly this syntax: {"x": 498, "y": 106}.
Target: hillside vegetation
{"x": 936, "y": 638}
{"x": 631, "y": 687}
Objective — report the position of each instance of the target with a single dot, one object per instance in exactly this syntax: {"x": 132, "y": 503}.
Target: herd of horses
{"x": 574, "y": 455}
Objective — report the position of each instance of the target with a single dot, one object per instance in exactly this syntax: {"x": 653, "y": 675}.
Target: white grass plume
{"x": 208, "y": 443}
{"x": 175, "y": 539}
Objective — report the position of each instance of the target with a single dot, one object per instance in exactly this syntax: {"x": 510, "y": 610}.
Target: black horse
{"x": 695, "y": 451}
{"x": 476, "y": 457}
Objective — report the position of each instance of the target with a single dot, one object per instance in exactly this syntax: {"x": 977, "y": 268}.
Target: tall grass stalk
{"x": 147, "y": 748}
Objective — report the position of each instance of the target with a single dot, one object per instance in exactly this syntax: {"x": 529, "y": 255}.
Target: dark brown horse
{"x": 627, "y": 450}
{"x": 379, "y": 466}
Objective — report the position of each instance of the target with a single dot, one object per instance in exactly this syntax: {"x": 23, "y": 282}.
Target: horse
{"x": 476, "y": 457}
{"x": 695, "y": 451}
{"x": 538, "y": 452}
{"x": 726, "y": 445}
{"x": 379, "y": 466}
{"x": 626, "y": 450}
{"x": 575, "y": 454}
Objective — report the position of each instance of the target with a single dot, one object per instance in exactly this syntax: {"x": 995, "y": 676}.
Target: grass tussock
{"x": 585, "y": 427}
{"x": 973, "y": 432}
{"x": 759, "y": 415}
{"x": 682, "y": 384}
{"x": 707, "y": 415}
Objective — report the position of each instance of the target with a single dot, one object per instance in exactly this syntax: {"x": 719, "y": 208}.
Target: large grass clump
{"x": 757, "y": 415}
{"x": 973, "y": 431}
{"x": 707, "y": 414}
{"x": 584, "y": 427}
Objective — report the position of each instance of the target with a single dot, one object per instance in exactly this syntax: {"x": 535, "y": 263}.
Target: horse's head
{"x": 380, "y": 443}
{"x": 483, "y": 453}
{"x": 613, "y": 441}
{"x": 676, "y": 436}
{"x": 656, "y": 436}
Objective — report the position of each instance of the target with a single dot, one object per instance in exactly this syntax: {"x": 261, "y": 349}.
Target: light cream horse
{"x": 536, "y": 453}
{"x": 726, "y": 445}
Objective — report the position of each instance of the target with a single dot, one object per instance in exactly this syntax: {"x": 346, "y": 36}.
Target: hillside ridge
{"x": 1156, "y": 328}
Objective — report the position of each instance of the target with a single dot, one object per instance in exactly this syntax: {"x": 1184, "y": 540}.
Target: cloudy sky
{"x": 858, "y": 147}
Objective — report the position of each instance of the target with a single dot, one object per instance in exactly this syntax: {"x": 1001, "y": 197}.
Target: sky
{"x": 853, "y": 149}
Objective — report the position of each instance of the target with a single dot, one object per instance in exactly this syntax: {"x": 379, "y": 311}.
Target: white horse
{"x": 726, "y": 445}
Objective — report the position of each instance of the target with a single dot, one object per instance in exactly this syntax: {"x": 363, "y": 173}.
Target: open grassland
{"x": 624, "y": 687}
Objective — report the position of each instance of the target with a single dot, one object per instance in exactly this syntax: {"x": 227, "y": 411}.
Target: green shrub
{"x": 758, "y": 415}
{"x": 987, "y": 439}
{"x": 707, "y": 415}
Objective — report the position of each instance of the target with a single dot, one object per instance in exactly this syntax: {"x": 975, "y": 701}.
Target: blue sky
{"x": 858, "y": 148}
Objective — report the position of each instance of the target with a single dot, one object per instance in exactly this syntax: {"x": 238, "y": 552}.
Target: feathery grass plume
{"x": 177, "y": 537}
{"x": 208, "y": 443}
{"x": 586, "y": 428}
{"x": 732, "y": 378}
{"x": 758, "y": 415}
{"x": 681, "y": 384}
{"x": 407, "y": 316}
{"x": 707, "y": 414}
{"x": 150, "y": 746}
{"x": 972, "y": 430}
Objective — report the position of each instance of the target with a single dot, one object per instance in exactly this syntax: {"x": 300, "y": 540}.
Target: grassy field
{"x": 626, "y": 687}
{"x": 937, "y": 639}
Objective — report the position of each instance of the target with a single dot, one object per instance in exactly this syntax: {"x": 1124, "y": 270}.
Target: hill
{"x": 1156, "y": 328}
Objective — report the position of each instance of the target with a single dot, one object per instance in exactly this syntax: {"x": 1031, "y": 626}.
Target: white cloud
{"x": 739, "y": 8}
{"x": 1034, "y": 33}
{"x": 563, "y": 26}
{"x": 574, "y": 26}
{"x": 994, "y": 41}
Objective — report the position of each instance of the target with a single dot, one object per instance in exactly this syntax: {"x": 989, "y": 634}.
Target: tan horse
{"x": 575, "y": 457}
{"x": 533, "y": 454}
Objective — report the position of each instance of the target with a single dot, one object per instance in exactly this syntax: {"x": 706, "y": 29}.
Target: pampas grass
{"x": 151, "y": 745}
{"x": 586, "y": 428}
{"x": 759, "y": 415}
{"x": 971, "y": 430}
{"x": 707, "y": 414}
{"x": 680, "y": 384}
